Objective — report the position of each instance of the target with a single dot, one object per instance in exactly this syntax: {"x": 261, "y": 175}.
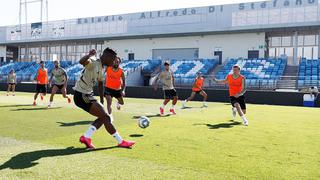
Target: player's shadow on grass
{"x": 35, "y": 109}
{"x": 190, "y": 107}
{"x": 17, "y": 105}
{"x": 221, "y": 125}
{"x": 136, "y": 135}
{"x": 28, "y": 159}
{"x": 151, "y": 116}
{"x": 78, "y": 123}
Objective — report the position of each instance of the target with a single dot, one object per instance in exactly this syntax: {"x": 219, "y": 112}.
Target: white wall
{"x": 232, "y": 45}
{"x": 3, "y": 52}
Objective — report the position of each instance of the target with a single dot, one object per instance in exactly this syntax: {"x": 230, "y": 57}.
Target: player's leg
{"x": 233, "y": 109}
{"x": 120, "y": 102}
{"x": 97, "y": 110}
{"x": 53, "y": 92}
{"x": 188, "y": 99}
{"x": 205, "y": 97}
{"x": 36, "y": 94}
{"x": 174, "y": 98}
{"x": 240, "y": 105}
{"x": 9, "y": 88}
{"x": 109, "y": 106}
{"x": 13, "y": 89}
{"x": 64, "y": 93}
{"x": 165, "y": 102}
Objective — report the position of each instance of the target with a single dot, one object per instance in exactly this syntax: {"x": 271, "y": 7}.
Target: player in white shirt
{"x": 83, "y": 96}
{"x": 58, "y": 81}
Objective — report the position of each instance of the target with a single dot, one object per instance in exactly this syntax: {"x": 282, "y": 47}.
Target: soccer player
{"x": 12, "y": 81}
{"x": 115, "y": 85}
{"x": 83, "y": 96}
{"x": 42, "y": 81}
{"x": 197, "y": 89}
{"x": 59, "y": 78}
{"x": 237, "y": 88}
{"x": 167, "y": 80}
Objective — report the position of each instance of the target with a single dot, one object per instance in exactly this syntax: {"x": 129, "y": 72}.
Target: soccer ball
{"x": 143, "y": 122}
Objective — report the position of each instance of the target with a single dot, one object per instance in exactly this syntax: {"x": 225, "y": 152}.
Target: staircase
{"x": 289, "y": 78}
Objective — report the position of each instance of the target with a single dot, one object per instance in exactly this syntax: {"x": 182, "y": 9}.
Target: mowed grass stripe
{"x": 280, "y": 142}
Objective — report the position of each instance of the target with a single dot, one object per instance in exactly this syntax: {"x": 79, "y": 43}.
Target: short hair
{"x": 236, "y": 66}
{"x": 108, "y": 50}
{"x": 41, "y": 62}
{"x": 166, "y": 64}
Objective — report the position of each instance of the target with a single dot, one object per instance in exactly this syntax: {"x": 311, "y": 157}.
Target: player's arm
{"x": 244, "y": 88}
{"x": 155, "y": 83}
{"x": 100, "y": 88}
{"x": 85, "y": 59}
{"x": 123, "y": 85}
{"x": 36, "y": 76}
{"x": 50, "y": 80}
{"x": 173, "y": 81}
{"x": 223, "y": 81}
{"x": 66, "y": 77}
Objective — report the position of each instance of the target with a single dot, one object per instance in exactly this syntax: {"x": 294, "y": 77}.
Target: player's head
{"x": 41, "y": 64}
{"x": 167, "y": 66}
{"x": 236, "y": 69}
{"x": 199, "y": 75}
{"x": 11, "y": 71}
{"x": 56, "y": 64}
{"x": 108, "y": 56}
{"x": 116, "y": 62}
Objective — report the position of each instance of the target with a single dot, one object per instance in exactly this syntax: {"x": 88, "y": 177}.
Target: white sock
{"x": 90, "y": 131}
{"x": 244, "y": 118}
{"x": 234, "y": 109}
{"x": 117, "y": 137}
{"x": 111, "y": 117}
{"x": 163, "y": 106}
{"x": 172, "y": 107}
{"x": 50, "y": 103}
{"x": 204, "y": 102}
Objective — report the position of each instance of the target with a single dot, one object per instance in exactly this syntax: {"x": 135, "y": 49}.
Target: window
{"x": 131, "y": 56}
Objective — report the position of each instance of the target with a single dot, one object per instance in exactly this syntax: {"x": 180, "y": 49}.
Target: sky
{"x": 70, "y": 9}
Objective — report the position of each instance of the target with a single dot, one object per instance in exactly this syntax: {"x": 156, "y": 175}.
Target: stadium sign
{"x": 275, "y": 4}
{"x": 192, "y": 11}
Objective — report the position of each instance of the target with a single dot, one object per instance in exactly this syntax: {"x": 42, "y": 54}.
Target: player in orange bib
{"x": 42, "y": 81}
{"x": 197, "y": 89}
{"x": 237, "y": 88}
{"x": 115, "y": 85}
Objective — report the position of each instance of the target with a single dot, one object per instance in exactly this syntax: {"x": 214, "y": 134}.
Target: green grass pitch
{"x": 198, "y": 143}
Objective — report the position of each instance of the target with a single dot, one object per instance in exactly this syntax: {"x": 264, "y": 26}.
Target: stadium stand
{"x": 262, "y": 73}
{"x": 309, "y": 73}
{"x": 186, "y": 70}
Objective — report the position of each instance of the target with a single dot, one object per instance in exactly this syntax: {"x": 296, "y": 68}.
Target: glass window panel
{"x": 307, "y": 52}
{"x": 309, "y": 40}
{"x": 275, "y": 41}
{"x": 300, "y": 40}
{"x": 287, "y": 41}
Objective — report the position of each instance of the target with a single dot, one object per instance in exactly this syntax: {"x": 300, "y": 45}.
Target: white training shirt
{"x": 91, "y": 74}
{"x": 58, "y": 76}
{"x": 166, "y": 80}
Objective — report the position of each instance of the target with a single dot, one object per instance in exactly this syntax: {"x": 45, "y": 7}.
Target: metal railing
{"x": 282, "y": 82}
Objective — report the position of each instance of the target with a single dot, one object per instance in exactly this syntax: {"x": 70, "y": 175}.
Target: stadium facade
{"x": 249, "y": 30}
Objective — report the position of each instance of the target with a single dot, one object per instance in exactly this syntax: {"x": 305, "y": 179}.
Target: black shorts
{"x": 59, "y": 86}
{"x": 83, "y": 101}
{"x": 41, "y": 88}
{"x": 113, "y": 93}
{"x": 170, "y": 94}
{"x": 11, "y": 84}
{"x": 198, "y": 92}
{"x": 241, "y": 100}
